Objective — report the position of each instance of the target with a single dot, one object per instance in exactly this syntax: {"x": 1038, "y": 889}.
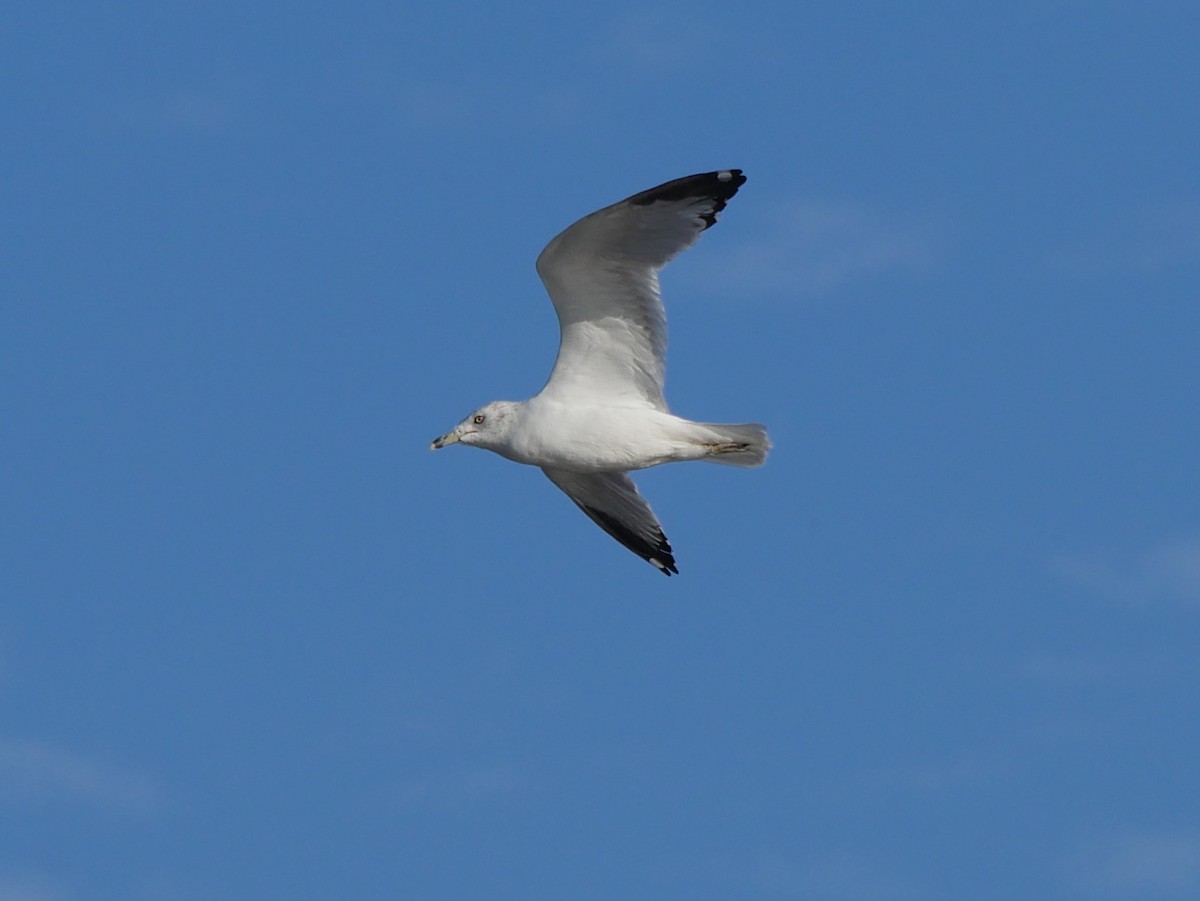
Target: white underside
{"x": 599, "y": 438}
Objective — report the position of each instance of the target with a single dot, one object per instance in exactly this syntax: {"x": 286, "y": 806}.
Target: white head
{"x": 488, "y": 427}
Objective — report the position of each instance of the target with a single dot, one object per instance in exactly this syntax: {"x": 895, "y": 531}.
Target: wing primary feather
{"x": 657, "y": 552}
{"x": 611, "y": 500}
{"x": 718, "y": 186}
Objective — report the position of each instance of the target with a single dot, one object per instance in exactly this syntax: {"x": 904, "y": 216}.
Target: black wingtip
{"x": 666, "y": 568}
{"x": 657, "y": 552}
{"x": 664, "y": 559}
{"x": 717, "y": 186}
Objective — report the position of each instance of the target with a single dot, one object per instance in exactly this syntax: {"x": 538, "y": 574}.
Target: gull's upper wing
{"x": 602, "y": 275}
{"x": 613, "y": 503}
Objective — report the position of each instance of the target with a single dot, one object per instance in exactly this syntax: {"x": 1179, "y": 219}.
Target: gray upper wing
{"x": 602, "y": 276}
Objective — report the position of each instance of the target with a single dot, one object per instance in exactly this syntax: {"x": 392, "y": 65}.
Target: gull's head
{"x": 487, "y": 427}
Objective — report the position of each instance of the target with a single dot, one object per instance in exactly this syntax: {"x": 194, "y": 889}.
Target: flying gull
{"x": 602, "y": 412}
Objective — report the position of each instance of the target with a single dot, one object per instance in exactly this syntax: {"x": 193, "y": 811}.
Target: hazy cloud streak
{"x": 814, "y": 249}
{"x": 1168, "y": 571}
{"x": 37, "y": 773}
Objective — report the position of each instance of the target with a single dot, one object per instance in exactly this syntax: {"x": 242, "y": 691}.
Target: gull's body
{"x": 548, "y": 432}
{"x": 602, "y": 412}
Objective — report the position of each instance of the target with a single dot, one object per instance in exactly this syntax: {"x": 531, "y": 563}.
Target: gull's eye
{"x": 478, "y": 420}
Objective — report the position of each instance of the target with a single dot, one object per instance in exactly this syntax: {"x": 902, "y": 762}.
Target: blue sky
{"x": 256, "y": 641}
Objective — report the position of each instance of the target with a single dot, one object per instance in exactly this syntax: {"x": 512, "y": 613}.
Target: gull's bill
{"x": 445, "y": 440}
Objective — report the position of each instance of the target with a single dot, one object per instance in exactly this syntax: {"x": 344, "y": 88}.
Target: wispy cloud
{"x": 37, "y": 773}
{"x": 465, "y": 105}
{"x": 192, "y": 110}
{"x": 1140, "y": 865}
{"x": 456, "y": 103}
{"x": 938, "y": 777}
{"x": 29, "y": 888}
{"x": 832, "y": 876}
{"x": 659, "y": 38}
{"x": 463, "y": 785}
{"x": 199, "y": 111}
{"x": 814, "y": 249}
{"x": 1072, "y": 669}
{"x": 431, "y": 104}
{"x": 927, "y": 779}
{"x": 1061, "y": 670}
{"x": 1169, "y": 571}
{"x": 1153, "y": 238}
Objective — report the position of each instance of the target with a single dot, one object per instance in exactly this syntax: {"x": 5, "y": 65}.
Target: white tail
{"x": 735, "y": 445}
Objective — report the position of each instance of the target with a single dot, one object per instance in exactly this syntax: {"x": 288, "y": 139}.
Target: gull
{"x": 602, "y": 413}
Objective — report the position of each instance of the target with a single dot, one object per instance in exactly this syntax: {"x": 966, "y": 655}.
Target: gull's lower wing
{"x": 602, "y": 275}
{"x": 614, "y": 504}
